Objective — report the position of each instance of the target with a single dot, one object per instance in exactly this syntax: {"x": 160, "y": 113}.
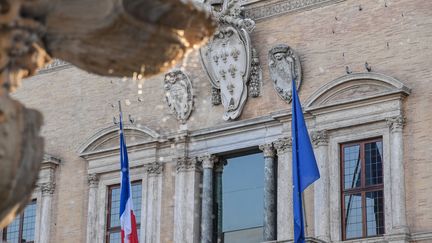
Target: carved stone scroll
{"x": 179, "y": 94}
{"x": 284, "y": 66}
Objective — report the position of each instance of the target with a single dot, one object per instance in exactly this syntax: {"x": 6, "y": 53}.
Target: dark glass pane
{"x": 353, "y": 216}
{"x": 243, "y": 193}
{"x": 115, "y": 204}
{"x": 352, "y": 166}
{"x": 375, "y": 213}
{"x": 115, "y": 207}
{"x": 29, "y": 223}
{"x": 253, "y": 235}
{"x": 373, "y": 161}
{"x": 136, "y": 199}
{"x": 115, "y": 237}
{"x": 12, "y": 231}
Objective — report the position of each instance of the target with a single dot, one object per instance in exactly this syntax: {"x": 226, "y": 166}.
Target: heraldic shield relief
{"x": 178, "y": 94}
{"x": 284, "y": 65}
{"x": 227, "y": 61}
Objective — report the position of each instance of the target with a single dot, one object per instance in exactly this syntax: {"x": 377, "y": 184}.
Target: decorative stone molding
{"x": 179, "y": 94}
{"x": 93, "y": 180}
{"x": 229, "y": 60}
{"x": 396, "y": 123}
{"x": 285, "y": 6}
{"x": 282, "y": 145}
{"x": 255, "y": 80}
{"x": 284, "y": 66}
{"x": 267, "y": 149}
{"x": 319, "y": 137}
{"x": 47, "y": 188}
{"x": 208, "y": 161}
{"x": 155, "y": 168}
{"x": 188, "y": 164}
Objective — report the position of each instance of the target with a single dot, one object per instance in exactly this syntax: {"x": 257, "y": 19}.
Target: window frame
{"x": 362, "y": 189}
{"x": 117, "y": 229}
{"x": 21, "y": 224}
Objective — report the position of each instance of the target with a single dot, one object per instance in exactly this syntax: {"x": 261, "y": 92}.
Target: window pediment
{"x": 356, "y": 87}
{"x": 108, "y": 138}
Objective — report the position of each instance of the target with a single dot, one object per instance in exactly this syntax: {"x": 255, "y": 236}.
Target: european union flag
{"x": 304, "y": 167}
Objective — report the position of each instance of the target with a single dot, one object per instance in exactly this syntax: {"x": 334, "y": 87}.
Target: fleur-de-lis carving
{"x": 222, "y": 73}
{"x": 216, "y": 59}
{"x": 224, "y": 56}
{"x": 230, "y": 88}
{"x": 232, "y": 70}
{"x": 235, "y": 53}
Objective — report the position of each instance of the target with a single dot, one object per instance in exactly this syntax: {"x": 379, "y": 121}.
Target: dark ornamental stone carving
{"x": 155, "y": 168}
{"x": 228, "y": 59}
{"x": 284, "y": 66}
{"x": 255, "y": 80}
{"x": 178, "y": 95}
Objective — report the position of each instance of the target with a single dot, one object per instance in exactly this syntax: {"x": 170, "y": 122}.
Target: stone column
{"x": 93, "y": 181}
{"x": 151, "y": 214}
{"x": 47, "y": 190}
{"x": 322, "y": 187}
{"x": 269, "y": 192}
{"x": 399, "y": 224}
{"x": 207, "y": 215}
{"x": 284, "y": 189}
{"x": 218, "y": 198}
{"x": 187, "y": 207}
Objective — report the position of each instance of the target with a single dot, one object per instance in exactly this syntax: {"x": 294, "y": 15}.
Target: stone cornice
{"x": 284, "y": 6}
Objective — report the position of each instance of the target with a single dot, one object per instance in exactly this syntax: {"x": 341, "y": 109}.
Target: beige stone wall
{"x": 395, "y": 40}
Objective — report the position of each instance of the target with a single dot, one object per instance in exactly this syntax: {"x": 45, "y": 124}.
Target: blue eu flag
{"x": 304, "y": 167}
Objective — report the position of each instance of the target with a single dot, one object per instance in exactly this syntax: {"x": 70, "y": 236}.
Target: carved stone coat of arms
{"x": 228, "y": 60}
{"x": 284, "y": 66}
{"x": 178, "y": 94}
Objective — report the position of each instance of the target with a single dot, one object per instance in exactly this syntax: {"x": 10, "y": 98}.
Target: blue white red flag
{"x": 129, "y": 232}
{"x": 304, "y": 166}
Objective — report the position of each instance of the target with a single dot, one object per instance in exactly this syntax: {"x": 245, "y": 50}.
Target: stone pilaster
{"x": 269, "y": 192}
{"x": 208, "y": 162}
{"x": 322, "y": 187}
{"x": 93, "y": 181}
{"x": 399, "y": 224}
{"x": 283, "y": 147}
{"x": 187, "y": 209}
{"x": 47, "y": 190}
{"x": 152, "y": 199}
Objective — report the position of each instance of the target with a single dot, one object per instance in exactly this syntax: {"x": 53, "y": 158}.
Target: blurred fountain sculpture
{"x": 106, "y": 37}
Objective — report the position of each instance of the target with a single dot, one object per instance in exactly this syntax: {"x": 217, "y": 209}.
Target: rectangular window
{"x": 22, "y": 228}
{"x": 113, "y": 213}
{"x": 243, "y": 199}
{"x": 362, "y": 189}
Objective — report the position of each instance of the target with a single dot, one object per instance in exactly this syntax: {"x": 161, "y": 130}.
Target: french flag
{"x": 129, "y": 232}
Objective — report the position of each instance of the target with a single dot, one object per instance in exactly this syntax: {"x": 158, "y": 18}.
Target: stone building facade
{"x": 364, "y": 68}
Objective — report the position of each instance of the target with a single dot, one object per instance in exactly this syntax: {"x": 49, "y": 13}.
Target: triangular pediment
{"x": 356, "y": 87}
{"x": 108, "y": 138}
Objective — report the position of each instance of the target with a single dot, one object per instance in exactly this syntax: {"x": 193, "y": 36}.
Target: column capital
{"x": 396, "y": 123}
{"x": 185, "y": 164}
{"x": 208, "y": 160}
{"x": 319, "y": 137}
{"x": 283, "y": 144}
{"x": 47, "y": 188}
{"x": 219, "y": 165}
{"x": 268, "y": 149}
{"x": 93, "y": 180}
{"x": 154, "y": 168}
